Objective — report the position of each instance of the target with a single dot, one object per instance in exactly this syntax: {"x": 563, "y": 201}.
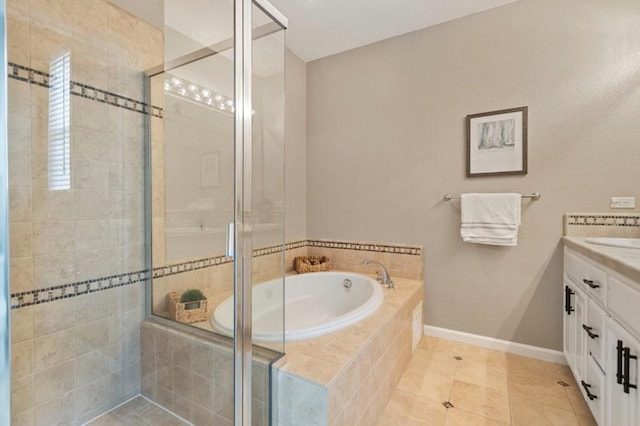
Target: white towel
{"x": 490, "y": 218}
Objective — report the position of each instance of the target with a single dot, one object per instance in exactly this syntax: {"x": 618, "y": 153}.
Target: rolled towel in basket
{"x": 490, "y": 218}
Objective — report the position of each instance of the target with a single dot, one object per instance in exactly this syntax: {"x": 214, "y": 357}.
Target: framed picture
{"x": 497, "y": 143}
{"x": 210, "y": 169}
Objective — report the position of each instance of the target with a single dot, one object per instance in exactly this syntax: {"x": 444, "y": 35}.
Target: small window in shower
{"x": 59, "y": 123}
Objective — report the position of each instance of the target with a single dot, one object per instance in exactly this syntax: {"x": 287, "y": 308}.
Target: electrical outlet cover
{"x": 623, "y": 202}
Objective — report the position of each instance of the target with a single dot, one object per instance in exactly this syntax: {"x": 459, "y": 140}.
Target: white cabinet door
{"x": 575, "y": 314}
{"x": 622, "y": 396}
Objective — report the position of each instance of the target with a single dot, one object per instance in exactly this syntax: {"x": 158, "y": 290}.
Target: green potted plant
{"x": 192, "y": 298}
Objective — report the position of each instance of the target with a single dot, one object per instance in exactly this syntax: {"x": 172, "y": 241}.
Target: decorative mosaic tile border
{"x": 603, "y": 220}
{"x": 51, "y": 294}
{"x": 192, "y": 265}
{"x": 278, "y": 248}
{"x": 383, "y": 248}
{"x": 39, "y": 78}
{"x": 28, "y": 75}
{"x": 65, "y": 291}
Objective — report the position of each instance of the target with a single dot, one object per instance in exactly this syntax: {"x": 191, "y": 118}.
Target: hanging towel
{"x": 490, "y": 218}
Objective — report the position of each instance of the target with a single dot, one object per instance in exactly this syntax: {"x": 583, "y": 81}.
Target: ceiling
{"x": 319, "y": 28}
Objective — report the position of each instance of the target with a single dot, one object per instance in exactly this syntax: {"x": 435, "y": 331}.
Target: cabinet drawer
{"x": 596, "y": 323}
{"x": 597, "y": 283}
{"x": 593, "y": 389}
{"x": 623, "y": 302}
{"x": 575, "y": 268}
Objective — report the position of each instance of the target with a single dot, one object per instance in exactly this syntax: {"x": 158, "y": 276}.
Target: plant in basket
{"x": 191, "y": 299}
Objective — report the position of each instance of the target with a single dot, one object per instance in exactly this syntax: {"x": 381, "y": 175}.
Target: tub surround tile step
{"x": 353, "y": 340}
{"x": 353, "y": 371}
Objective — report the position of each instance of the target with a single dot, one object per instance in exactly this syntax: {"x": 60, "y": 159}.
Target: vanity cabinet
{"x": 601, "y": 322}
{"x": 623, "y": 402}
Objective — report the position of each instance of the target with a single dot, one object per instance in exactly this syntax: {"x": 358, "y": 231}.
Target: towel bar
{"x": 534, "y": 196}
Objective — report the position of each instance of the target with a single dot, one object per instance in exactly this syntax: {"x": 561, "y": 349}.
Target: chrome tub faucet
{"x": 384, "y": 278}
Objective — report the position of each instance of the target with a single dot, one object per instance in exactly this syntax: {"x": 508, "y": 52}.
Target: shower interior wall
{"x": 77, "y": 258}
{"x": 77, "y": 249}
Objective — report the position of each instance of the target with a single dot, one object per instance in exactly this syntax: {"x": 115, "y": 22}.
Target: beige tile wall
{"x": 216, "y": 282}
{"x": 193, "y": 376}
{"x": 399, "y": 265}
{"x": 75, "y": 358}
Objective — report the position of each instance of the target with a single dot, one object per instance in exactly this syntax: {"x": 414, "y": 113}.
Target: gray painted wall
{"x": 295, "y": 147}
{"x": 386, "y": 141}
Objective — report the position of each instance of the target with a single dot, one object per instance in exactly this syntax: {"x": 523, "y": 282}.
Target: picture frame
{"x": 210, "y": 170}
{"x": 497, "y": 142}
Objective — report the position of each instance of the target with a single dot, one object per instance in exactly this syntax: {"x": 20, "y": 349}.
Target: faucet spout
{"x": 386, "y": 278}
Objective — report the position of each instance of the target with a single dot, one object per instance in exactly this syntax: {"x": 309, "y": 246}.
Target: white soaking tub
{"x": 315, "y": 304}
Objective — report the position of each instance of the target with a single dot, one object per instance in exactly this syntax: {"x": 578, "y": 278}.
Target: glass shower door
{"x": 267, "y": 168}
{"x": 216, "y": 175}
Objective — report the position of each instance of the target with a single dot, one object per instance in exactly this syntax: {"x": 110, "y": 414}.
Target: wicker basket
{"x": 187, "y": 312}
{"x": 312, "y": 264}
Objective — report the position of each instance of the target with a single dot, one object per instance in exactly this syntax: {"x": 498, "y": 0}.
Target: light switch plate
{"x": 623, "y": 202}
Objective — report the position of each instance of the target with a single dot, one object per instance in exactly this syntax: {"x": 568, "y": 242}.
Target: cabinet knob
{"x": 586, "y": 387}
{"x": 589, "y": 332}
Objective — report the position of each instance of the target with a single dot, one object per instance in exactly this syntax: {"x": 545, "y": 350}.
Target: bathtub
{"x": 316, "y": 304}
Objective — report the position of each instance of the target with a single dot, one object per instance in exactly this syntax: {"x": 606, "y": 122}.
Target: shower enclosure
{"x": 215, "y": 188}
{"x": 145, "y": 158}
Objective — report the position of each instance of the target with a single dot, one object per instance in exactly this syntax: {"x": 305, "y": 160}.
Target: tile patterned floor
{"x": 138, "y": 412}
{"x": 450, "y": 384}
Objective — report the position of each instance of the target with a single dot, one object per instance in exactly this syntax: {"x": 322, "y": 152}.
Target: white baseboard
{"x": 496, "y": 344}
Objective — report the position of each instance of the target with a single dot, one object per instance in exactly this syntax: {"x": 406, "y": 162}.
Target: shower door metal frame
{"x": 242, "y": 213}
{"x": 5, "y": 308}
{"x": 243, "y": 283}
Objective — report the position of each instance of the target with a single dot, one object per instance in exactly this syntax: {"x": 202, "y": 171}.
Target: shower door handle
{"x": 231, "y": 234}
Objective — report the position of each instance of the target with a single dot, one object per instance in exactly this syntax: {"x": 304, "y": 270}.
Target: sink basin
{"x": 616, "y": 242}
